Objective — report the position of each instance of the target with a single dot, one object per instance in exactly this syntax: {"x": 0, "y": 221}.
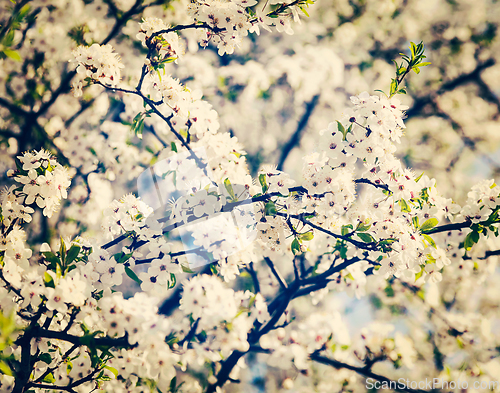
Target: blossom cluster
{"x": 482, "y": 200}
{"x": 229, "y": 22}
{"x": 211, "y": 305}
{"x": 42, "y": 181}
{"x": 98, "y": 63}
{"x": 168, "y": 45}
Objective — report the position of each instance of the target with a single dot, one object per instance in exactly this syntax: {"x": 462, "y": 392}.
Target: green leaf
{"x": 470, "y": 240}
{"x": 262, "y": 181}
{"x": 132, "y": 275}
{"x": 346, "y": 229}
{"x": 14, "y": 55}
{"x": 51, "y": 257}
{"x": 414, "y": 220}
{"x": 362, "y": 227}
{"x": 420, "y": 273}
{"x": 59, "y": 273}
{"x": 270, "y": 209}
{"x": 343, "y": 130}
{"x": 295, "y": 246}
{"x": 429, "y": 224}
{"x": 340, "y": 127}
{"x": 306, "y": 236}
{"x": 394, "y": 87}
{"x": 418, "y": 178}
{"x": 62, "y": 250}
{"x": 389, "y": 291}
{"x": 24, "y": 11}
{"x": 9, "y": 38}
{"x": 49, "y": 378}
{"x": 49, "y": 281}
{"x": 229, "y": 189}
{"x": 45, "y": 357}
{"x": 173, "y": 146}
{"x": 424, "y": 64}
{"x": 429, "y": 240}
{"x": 113, "y": 370}
{"x": 173, "y": 281}
{"x": 73, "y": 252}
{"x": 304, "y": 11}
{"x": 366, "y": 237}
{"x": 5, "y": 369}
{"x": 412, "y": 49}
{"x": 173, "y": 384}
{"x": 405, "y": 208}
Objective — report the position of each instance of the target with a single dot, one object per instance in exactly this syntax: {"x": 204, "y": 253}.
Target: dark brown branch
{"x": 276, "y": 274}
{"x": 295, "y": 139}
{"x": 463, "y": 79}
{"x": 364, "y": 246}
{"x": 120, "y": 342}
{"x": 367, "y": 181}
{"x": 255, "y": 279}
{"x": 449, "y": 227}
{"x": 366, "y": 372}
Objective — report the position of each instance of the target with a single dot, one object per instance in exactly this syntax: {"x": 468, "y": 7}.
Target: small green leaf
{"x": 229, "y": 188}
{"x": 295, "y": 247}
{"x": 62, "y": 250}
{"x": 173, "y": 384}
{"x": 420, "y": 273}
{"x": 414, "y": 220}
{"x": 186, "y": 269}
{"x": 173, "y": 281}
{"x": 362, "y": 227}
{"x": 429, "y": 240}
{"x": 346, "y": 229}
{"x": 413, "y": 49}
{"x": 132, "y": 275}
{"x": 429, "y": 224}
{"x": 366, "y": 237}
{"x": 394, "y": 87}
{"x": 113, "y": 370}
{"x": 5, "y": 369}
{"x": 49, "y": 378}
{"x": 270, "y": 209}
{"x": 262, "y": 181}
{"x": 73, "y": 252}
{"x": 389, "y": 291}
{"x": 49, "y": 281}
{"x": 14, "y": 55}
{"x": 173, "y": 146}
{"x": 307, "y": 236}
{"x": 470, "y": 240}
{"x": 45, "y": 357}
{"x": 405, "y": 208}
{"x": 51, "y": 257}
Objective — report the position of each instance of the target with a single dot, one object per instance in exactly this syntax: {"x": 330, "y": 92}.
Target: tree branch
{"x": 366, "y": 372}
{"x": 295, "y": 139}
